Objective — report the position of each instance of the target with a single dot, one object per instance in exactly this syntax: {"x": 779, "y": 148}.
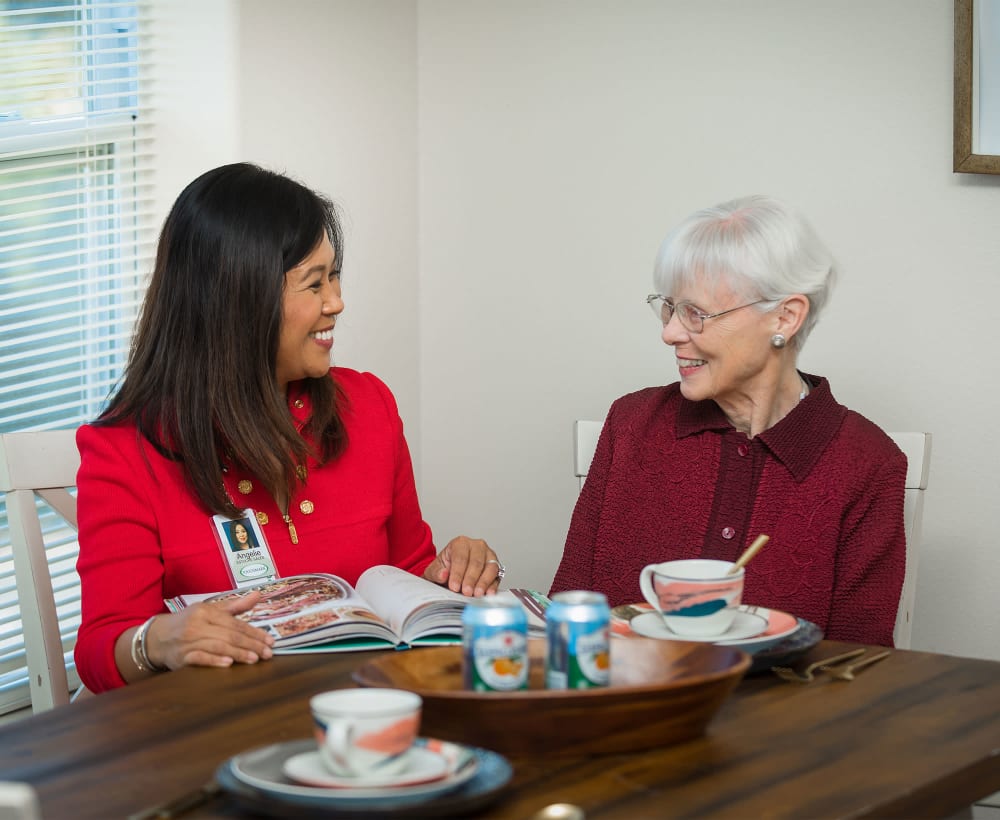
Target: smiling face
{"x": 240, "y": 534}
{"x": 732, "y": 357}
{"x": 310, "y": 304}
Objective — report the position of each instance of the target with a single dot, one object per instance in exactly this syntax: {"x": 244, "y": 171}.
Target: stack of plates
{"x": 440, "y": 779}
{"x": 770, "y": 635}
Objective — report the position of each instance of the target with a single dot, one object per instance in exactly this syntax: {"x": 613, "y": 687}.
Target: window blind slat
{"x": 65, "y": 80}
{"x": 12, "y": 617}
{"x": 81, "y": 314}
{"x": 106, "y": 323}
{"x": 49, "y": 395}
{"x": 81, "y": 370}
{"x": 68, "y": 135}
{"x": 73, "y": 7}
{"x": 112, "y": 342}
{"x": 71, "y": 187}
{"x": 61, "y": 401}
{"x": 70, "y": 163}
{"x": 26, "y": 233}
{"x": 56, "y": 25}
{"x": 29, "y": 221}
{"x": 84, "y": 249}
{"x": 112, "y": 338}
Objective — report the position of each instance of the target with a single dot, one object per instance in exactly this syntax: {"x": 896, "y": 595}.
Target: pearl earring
{"x": 778, "y": 340}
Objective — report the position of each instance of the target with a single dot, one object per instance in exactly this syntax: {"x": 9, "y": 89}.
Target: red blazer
{"x": 144, "y": 536}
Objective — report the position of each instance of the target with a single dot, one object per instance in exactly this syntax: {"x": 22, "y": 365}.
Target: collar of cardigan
{"x": 797, "y": 441}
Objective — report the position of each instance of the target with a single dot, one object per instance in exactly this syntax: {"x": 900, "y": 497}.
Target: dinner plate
{"x": 256, "y": 779}
{"x": 780, "y": 625}
{"x": 787, "y": 650}
{"x": 745, "y": 625}
{"x": 423, "y": 765}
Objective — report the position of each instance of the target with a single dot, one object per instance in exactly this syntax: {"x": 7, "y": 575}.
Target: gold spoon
{"x": 749, "y": 553}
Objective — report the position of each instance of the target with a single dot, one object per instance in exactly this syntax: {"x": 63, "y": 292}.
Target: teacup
{"x": 365, "y": 732}
{"x": 696, "y": 596}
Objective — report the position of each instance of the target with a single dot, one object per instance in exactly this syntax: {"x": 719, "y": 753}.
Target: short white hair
{"x": 758, "y": 246}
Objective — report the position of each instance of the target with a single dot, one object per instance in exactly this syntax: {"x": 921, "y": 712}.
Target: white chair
{"x": 916, "y": 447}
{"x": 42, "y": 464}
{"x": 19, "y": 801}
{"x": 585, "y": 435}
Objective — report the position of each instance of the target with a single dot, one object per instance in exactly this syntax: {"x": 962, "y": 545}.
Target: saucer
{"x": 422, "y": 766}
{"x": 256, "y": 779}
{"x": 781, "y": 626}
{"x": 745, "y": 625}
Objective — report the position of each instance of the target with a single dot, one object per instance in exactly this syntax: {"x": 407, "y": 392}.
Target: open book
{"x": 323, "y": 613}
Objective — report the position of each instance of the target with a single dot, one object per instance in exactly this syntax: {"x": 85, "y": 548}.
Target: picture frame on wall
{"x": 976, "y": 143}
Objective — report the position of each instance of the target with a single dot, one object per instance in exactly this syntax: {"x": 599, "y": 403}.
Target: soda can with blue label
{"x": 495, "y": 645}
{"x": 579, "y": 651}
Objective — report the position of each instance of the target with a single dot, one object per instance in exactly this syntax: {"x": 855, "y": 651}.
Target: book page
{"x": 535, "y": 604}
{"x": 411, "y": 605}
{"x": 304, "y": 609}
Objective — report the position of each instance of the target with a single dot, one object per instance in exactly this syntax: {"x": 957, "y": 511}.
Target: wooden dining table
{"x": 915, "y": 735}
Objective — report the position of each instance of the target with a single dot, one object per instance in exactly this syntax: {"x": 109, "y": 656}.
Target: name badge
{"x": 244, "y": 548}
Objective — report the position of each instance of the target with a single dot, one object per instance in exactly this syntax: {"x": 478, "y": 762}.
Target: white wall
{"x": 328, "y": 94}
{"x": 561, "y": 140}
{"x": 515, "y": 166}
{"x": 196, "y": 94}
{"x": 324, "y": 90}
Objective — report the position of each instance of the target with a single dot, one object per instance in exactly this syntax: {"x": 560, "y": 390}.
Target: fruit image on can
{"x": 495, "y": 645}
{"x": 579, "y": 652}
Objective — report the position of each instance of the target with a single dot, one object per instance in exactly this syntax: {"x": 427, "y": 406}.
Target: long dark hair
{"x": 200, "y": 381}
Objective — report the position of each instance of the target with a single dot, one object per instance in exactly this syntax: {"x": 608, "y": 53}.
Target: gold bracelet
{"x": 134, "y": 650}
{"x": 138, "y": 650}
{"x": 142, "y": 648}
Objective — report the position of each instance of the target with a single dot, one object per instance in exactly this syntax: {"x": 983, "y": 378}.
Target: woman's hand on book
{"x": 209, "y": 634}
{"x": 466, "y": 565}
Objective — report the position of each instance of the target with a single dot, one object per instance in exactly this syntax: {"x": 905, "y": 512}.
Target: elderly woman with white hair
{"x": 745, "y": 443}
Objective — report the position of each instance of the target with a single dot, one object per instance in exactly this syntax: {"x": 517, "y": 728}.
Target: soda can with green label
{"x": 495, "y": 645}
{"x": 579, "y": 651}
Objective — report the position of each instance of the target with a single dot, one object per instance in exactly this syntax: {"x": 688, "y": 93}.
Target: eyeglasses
{"x": 691, "y": 318}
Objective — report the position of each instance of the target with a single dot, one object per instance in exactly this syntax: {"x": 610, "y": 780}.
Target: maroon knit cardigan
{"x": 673, "y": 479}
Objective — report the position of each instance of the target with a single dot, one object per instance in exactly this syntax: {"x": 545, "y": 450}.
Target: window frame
{"x": 105, "y": 144}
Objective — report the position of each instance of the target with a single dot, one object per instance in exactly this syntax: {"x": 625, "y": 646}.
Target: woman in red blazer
{"x": 228, "y": 409}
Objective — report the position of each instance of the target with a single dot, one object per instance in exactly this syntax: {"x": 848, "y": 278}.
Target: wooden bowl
{"x": 661, "y": 692}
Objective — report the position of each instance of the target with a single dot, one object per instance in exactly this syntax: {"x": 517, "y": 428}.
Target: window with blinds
{"x": 76, "y": 242}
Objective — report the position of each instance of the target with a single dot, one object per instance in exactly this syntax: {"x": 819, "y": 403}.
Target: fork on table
{"x": 807, "y": 674}
{"x": 847, "y": 671}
